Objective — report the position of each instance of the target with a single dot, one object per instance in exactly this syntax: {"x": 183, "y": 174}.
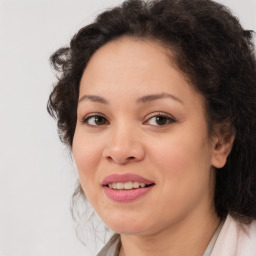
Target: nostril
{"x": 120, "y": 158}
{"x": 109, "y": 158}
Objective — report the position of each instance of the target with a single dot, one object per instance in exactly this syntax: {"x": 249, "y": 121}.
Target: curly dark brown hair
{"x": 215, "y": 54}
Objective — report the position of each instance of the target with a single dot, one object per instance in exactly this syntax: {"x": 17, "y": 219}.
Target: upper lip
{"x": 113, "y": 178}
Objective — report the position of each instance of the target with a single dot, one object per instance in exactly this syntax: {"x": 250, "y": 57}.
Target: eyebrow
{"x": 143, "y": 99}
{"x": 94, "y": 98}
{"x": 153, "y": 97}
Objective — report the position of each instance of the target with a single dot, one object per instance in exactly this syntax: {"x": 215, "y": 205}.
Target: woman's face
{"x": 138, "y": 115}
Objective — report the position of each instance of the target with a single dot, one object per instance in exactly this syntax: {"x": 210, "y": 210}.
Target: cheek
{"x": 183, "y": 165}
{"x": 87, "y": 155}
{"x": 184, "y": 150}
{"x": 172, "y": 158}
{"x": 183, "y": 177}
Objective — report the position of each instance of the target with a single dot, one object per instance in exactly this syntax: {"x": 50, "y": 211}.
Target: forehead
{"x": 129, "y": 59}
{"x": 133, "y": 66}
{"x": 128, "y": 54}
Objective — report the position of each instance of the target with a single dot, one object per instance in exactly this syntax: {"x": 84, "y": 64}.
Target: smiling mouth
{"x": 125, "y": 192}
{"x": 128, "y": 185}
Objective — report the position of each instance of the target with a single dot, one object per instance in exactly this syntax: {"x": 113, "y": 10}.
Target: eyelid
{"x": 85, "y": 118}
{"x": 163, "y": 114}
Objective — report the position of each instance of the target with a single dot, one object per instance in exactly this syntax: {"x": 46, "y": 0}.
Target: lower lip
{"x": 125, "y": 195}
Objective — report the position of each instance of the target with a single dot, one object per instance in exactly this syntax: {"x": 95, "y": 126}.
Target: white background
{"x": 37, "y": 177}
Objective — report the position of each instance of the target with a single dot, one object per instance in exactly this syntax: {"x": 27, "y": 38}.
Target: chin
{"x": 126, "y": 226}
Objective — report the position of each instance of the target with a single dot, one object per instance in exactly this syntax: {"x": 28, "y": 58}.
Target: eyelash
{"x": 169, "y": 119}
{"x": 87, "y": 118}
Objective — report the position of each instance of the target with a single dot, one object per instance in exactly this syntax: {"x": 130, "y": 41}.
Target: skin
{"x": 177, "y": 216}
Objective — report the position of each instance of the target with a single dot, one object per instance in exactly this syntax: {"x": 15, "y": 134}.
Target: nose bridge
{"x": 124, "y": 143}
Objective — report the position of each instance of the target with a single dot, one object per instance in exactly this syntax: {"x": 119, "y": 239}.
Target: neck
{"x": 188, "y": 237}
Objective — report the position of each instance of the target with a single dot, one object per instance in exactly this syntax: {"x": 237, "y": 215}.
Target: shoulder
{"x": 236, "y": 239}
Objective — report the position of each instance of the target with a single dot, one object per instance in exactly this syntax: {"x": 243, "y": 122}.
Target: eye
{"x": 95, "y": 120}
{"x": 160, "y": 119}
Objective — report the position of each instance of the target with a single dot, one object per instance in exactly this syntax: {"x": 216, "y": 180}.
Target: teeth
{"x": 136, "y": 184}
{"x": 120, "y": 185}
{"x": 126, "y": 185}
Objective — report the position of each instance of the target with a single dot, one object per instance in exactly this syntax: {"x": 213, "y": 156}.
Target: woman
{"x": 157, "y": 102}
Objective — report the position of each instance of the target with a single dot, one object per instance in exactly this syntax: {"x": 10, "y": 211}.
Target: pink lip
{"x": 125, "y": 195}
{"x": 125, "y": 178}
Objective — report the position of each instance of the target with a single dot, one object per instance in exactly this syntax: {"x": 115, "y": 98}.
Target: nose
{"x": 123, "y": 146}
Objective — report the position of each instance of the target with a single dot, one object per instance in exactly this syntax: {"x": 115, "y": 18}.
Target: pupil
{"x": 161, "y": 120}
{"x": 99, "y": 120}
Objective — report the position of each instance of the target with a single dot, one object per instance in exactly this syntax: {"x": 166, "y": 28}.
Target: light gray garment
{"x": 112, "y": 247}
{"x": 236, "y": 239}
